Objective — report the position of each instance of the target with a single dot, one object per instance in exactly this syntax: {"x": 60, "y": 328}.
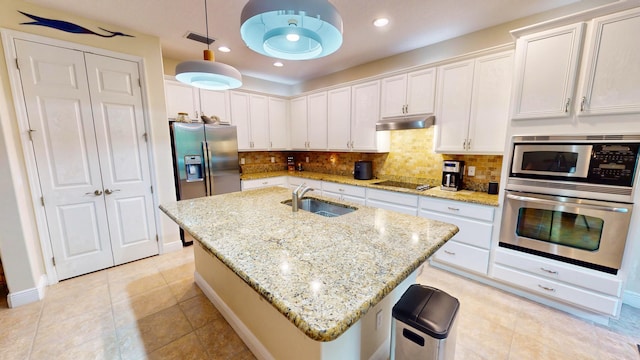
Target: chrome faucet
{"x": 297, "y": 195}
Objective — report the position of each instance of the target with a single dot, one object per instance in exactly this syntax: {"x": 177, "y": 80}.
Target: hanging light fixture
{"x": 291, "y": 29}
{"x": 208, "y": 74}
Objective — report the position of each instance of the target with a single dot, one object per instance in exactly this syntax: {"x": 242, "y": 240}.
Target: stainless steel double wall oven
{"x": 570, "y": 198}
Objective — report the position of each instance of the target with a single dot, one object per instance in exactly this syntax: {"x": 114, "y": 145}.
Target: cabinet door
{"x": 278, "y": 123}
{"x": 546, "y": 65}
{"x": 317, "y": 121}
{"x": 393, "y": 96}
{"x": 365, "y": 112}
{"x": 612, "y": 83}
{"x": 298, "y": 122}
{"x": 454, "y": 104}
{"x": 259, "y": 122}
{"x": 339, "y": 119}
{"x": 490, "y": 103}
{"x": 240, "y": 118}
{"x": 421, "y": 92}
{"x": 181, "y": 98}
{"x": 215, "y": 103}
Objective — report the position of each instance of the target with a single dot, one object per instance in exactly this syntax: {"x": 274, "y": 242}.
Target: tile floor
{"x": 151, "y": 309}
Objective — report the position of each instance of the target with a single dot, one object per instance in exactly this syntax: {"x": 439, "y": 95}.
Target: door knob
{"x": 96, "y": 193}
{"x": 109, "y": 191}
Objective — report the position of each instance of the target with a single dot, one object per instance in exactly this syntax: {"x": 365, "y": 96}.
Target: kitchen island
{"x": 300, "y": 285}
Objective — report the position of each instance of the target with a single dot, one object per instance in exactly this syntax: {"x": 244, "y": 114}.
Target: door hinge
{"x": 157, "y": 238}
{"x": 30, "y": 131}
{"x": 53, "y": 260}
{"x": 139, "y": 82}
{"x": 152, "y": 189}
{"x": 145, "y": 136}
{"x": 17, "y": 64}
{"x": 42, "y": 200}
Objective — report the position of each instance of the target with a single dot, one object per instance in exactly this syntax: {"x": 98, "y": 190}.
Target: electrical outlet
{"x": 273, "y": 159}
{"x": 471, "y": 171}
{"x": 241, "y": 161}
{"x": 307, "y": 159}
{"x": 378, "y": 319}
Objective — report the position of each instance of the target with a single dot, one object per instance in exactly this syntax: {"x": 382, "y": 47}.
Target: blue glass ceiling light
{"x": 291, "y": 29}
{"x": 208, "y": 74}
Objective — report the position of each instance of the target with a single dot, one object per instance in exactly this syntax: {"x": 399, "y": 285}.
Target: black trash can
{"x": 424, "y": 325}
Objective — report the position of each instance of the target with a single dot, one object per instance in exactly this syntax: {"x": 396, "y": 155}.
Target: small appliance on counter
{"x": 363, "y": 170}
{"x": 452, "y": 172}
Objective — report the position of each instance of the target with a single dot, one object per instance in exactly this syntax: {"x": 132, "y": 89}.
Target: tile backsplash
{"x": 410, "y": 159}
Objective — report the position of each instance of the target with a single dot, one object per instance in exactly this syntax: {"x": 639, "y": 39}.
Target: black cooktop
{"x": 403, "y": 185}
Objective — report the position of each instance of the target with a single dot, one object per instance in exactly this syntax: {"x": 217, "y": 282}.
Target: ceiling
{"x": 413, "y": 24}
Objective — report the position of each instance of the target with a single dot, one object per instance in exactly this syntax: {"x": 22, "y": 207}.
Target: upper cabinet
{"x": 473, "y": 104}
{"x": 309, "y": 122}
{"x": 611, "y": 80}
{"x": 365, "y": 113}
{"x": 339, "y": 119}
{"x": 279, "y": 123}
{"x": 546, "y": 69}
{"x": 408, "y": 94}
{"x": 195, "y": 102}
{"x": 249, "y": 113}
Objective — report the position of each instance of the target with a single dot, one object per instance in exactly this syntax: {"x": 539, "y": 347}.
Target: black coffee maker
{"x": 452, "y": 171}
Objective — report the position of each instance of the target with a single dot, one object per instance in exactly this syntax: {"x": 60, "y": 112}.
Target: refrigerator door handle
{"x": 207, "y": 171}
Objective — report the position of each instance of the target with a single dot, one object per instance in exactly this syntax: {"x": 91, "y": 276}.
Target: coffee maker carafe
{"x": 452, "y": 172}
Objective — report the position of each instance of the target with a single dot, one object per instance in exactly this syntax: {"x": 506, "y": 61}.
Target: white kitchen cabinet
{"x": 408, "y": 94}
{"x": 469, "y": 248}
{"x": 546, "y": 69}
{"x": 611, "y": 80}
{"x": 473, "y": 104}
{"x": 278, "y": 123}
{"x": 309, "y": 122}
{"x": 249, "y": 113}
{"x": 262, "y": 183}
{"x": 295, "y": 181}
{"x": 354, "y": 194}
{"x": 339, "y": 119}
{"x": 195, "y": 102}
{"x": 365, "y": 113}
{"x": 391, "y": 200}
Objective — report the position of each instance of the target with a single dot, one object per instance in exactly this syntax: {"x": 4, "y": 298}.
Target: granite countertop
{"x": 435, "y": 192}
{"x": 322, "y": 273}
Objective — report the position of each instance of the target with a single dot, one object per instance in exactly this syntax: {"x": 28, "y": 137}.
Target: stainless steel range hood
{"x": 406, "y": 123}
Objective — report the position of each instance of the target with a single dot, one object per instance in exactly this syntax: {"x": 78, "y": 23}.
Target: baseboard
{"x": 171, "y": 247}
{"x": 258, "y": 350}
{"x": 28, "y": 296}
{"x": 631, "y": 298}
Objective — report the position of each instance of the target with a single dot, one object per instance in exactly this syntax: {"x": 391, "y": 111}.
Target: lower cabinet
{"x": 394, "y": 201}
{"x": 262, "y": 183}
{"x": 469, "y": 248}
{"x": 316, "y": 185}
{"x": 354, "y": 194}
{"x": 567, "y": 283}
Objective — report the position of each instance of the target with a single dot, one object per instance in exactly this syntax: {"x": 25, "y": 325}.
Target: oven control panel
{"x": 613, "y": 164}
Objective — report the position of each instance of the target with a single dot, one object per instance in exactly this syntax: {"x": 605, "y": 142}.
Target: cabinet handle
{"x": 341, "y": 190}
{"x": 452, "y": 208}
{"x": 265, "y": 182}
{"x": 549, "y": 271}
{"x": 464, "y": 144}
{"x": 469, "y": 144}
{"x": 449, "y": 252}
{"x": 546, "y": 288}
{"x": 270, "y": 144}
{"x": 584, "y": 99}
{"x": 566, "y": 106}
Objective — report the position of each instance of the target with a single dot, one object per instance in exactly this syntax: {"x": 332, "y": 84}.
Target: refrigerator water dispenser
{"x": 193, "y": 164}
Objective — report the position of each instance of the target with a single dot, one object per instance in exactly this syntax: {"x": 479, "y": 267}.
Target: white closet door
{"x": 119, "y": 120}
{"x": 57, "y": 100}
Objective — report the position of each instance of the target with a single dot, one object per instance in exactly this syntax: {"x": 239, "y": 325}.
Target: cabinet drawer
{"x": 463, "y": 256}
{"x": 556, "y": 290}
{"x": 393, "y": 197}
{"x": 471, "y": 232}
{"x": 409, "y": 210}
{"x": 474, "y": 211}
{"x": 266, "y": 182}
{"x": 344, "y": 189}
{"x": 554, "y": 270}
{"x": 295, "y": 181}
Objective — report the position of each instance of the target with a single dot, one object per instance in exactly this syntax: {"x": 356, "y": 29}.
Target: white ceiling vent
{"x": 199, "y": 38}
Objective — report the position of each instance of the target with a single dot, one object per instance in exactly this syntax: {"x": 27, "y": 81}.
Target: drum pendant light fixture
{"x": 291, "y": 29}
{"x": 208, "y": 74}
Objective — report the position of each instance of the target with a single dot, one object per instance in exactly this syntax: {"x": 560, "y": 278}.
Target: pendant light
{"x": 291, "y": 29}
{"x": 208, "y": 74}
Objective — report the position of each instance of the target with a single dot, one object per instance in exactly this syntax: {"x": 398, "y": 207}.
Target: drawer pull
{"x": 546, "y": 288}
{"x": 452, "y": 208}
{"x": 265, "y": 182}
{"x": 449, "y": 252}
{"x": 341, "y": 190}
{"x": 549, "y": 271}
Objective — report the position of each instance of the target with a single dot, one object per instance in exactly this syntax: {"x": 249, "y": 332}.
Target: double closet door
{"x": 88, "y": 134}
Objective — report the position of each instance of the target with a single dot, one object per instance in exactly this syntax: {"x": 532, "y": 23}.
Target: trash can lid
{"x": 427, "y": 309}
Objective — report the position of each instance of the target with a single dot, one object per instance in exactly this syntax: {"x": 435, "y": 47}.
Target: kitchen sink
{"x": 322, "y": 207}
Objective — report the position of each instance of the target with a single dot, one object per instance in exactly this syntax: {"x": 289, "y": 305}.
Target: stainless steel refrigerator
{"x": 205, "y": 161}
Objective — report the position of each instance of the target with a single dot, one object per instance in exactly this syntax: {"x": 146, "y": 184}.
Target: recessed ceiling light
{"x": 381, "y": 22}
{"x": 224, "y": 49}
{"x": 278, "y": 64}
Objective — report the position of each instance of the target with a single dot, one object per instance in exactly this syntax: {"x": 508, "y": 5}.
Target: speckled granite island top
{"x": 322, "y": 273}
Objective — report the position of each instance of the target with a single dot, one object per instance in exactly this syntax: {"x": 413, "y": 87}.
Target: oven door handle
{"x": 552, "y": 202}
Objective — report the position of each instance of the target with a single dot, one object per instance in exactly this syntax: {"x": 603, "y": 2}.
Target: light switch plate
{"x": 471, "y": 171}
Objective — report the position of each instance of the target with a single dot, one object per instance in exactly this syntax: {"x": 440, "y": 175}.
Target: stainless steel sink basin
{"x": 322, "y": 207}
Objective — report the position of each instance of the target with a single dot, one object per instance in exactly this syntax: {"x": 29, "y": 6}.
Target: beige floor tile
{"x": 125, "y": 288}
{"x": 526, "y": 347}
{"x": 76, "y": 286}
{"x": 185, "y": 289}
{"x": 199, "y": 311}
{"x": 489, "y": 340}
{"x": 219, "y": 340}
{"x": 20, "y": 321}
{"x": 615, "y": 346}
{"x": 244, "y": 355}
{"x": 180, "y": 272}
{"x": 16, "y": 346}
{"x": 61, "y": 308}
{"x": 138, "y": 307}
{"x": 187, "y": 347}
{"x": 100, "y": 348}
{"x": 152, "y": 332}
{"x": 135, "y": 269}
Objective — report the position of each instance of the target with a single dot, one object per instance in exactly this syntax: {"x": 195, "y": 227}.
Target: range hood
{"x": 406, "y": 123}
